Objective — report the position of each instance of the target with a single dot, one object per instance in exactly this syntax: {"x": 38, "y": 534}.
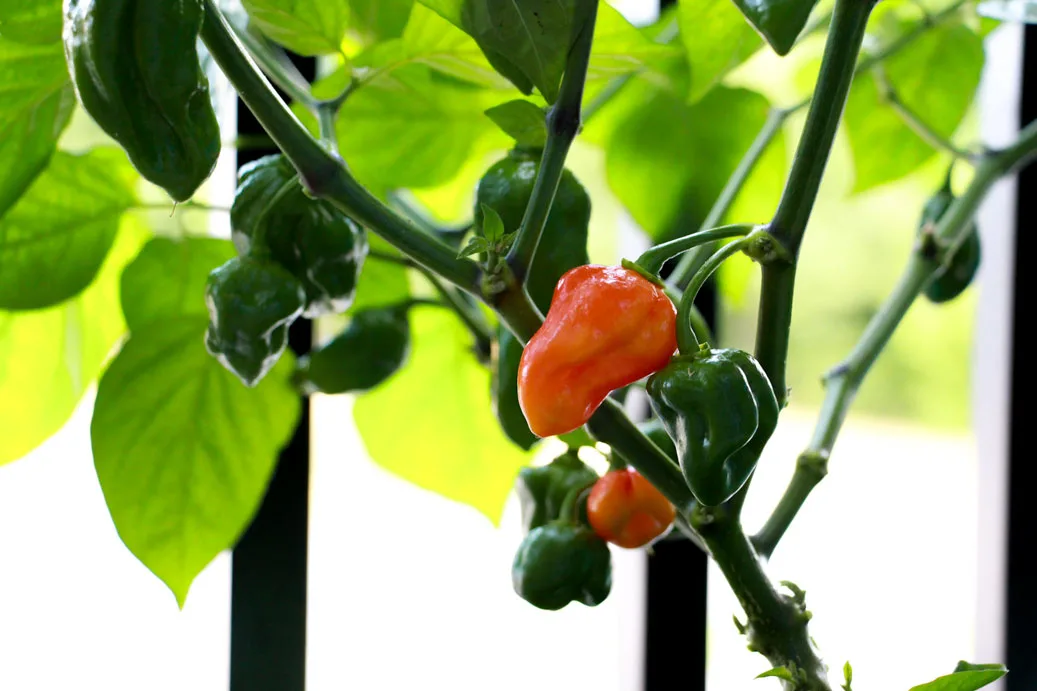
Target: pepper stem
{"x": 687, "y": 341}
{"x": 570, "y": 510}
{"x": 653, "y": 259}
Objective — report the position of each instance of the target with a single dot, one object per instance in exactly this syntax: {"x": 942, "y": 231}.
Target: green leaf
{"x": 379, "y": 20}
{"x": 717, "y": 39}
{"x": 1024, "y": 11}
{"x": 527, "y": 41}
{"x": 522, "y": 121}
{"x": 453, "y": 445}
{"x": 37, "y": 104}
{"x": 778, "y": 21}
{"x": 183, "y": 451}
{"x": 167, "y": 279}
{"x": 31, "y": 21}
{"x": 308, "y": 27}
{"x": 847, "y": 676}
{"x": 476, "y": 245}
{"x": 48, "y": 358}
{"x": 779, "y": 672}
{"x": 668, "y": 161}
{"x": 492, "y": 225}
{"x": 936, "y": 77}
{"x": 62, "y": 228}
{"x": 966, "y": 678}
{"x": 619, "y": 48}
{"x": 382, "y": 283}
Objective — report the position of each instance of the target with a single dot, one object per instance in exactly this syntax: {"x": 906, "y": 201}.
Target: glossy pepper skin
{"x": 720, "y": 409}
{"x": 627, "y": 510}
{"x": 372, "y": 348}
{"x": 134, "y": 64}
{"x": 506, "y": 188}
{"x": 562, "y": 562}
{"x": 953, "y": 278}
{"x": 542, "y": 490}
{"x": 251, "y": 305}
{"x": 607, "y": 327}
{"x": 322, "y": 247}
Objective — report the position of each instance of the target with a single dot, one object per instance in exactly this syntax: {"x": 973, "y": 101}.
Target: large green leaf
{"x": 183, "y": 451}
{"x": 308, "y": 27}
{"x": 167, "y": 279}
{"x": 382, "y": 283}
{"x": 717, "y": 39}
{"x": 779, "y": 21}
{"x": 48, "y": 358}
{"x": 936, "y": 77}
{"x": 54, "y": 240}
{"x": 668, "y": 161}
{"x": 966, "y": 677}
{"x": 433, "y": 423}
{"x": 379, "y": 20}
{"x": 619, "y": 48}
{"x": 31, "y": 21}
{"x": 36, "y": 105}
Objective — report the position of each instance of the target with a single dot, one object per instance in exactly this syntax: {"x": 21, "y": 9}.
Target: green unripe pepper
{"x": 134, "y": 64}
{"x": 371, "y": 349}
{"x": 506, "y": 188}
{"x": 720, "y": 409}
{"x": 562, "y": 562}
{"x": 251, "y": 304}
{"x": 542, "y": 490}
{"x": 322, "y": 247}
{"x": 951, "y": 279}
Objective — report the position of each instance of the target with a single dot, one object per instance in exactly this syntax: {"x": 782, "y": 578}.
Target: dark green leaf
{"x": 492, "y": 226}
{"x": 779, "y": 21}
{"x": 1009, "y": 10}
{"x": 308, "y": 27}
{"x": 379, "y": 20}
{"x": 965, "y": 679}
{"x": 667, "y": 161}
{"x": 48, "y": 358}
{"x": 182, "y": 450}
{"x": 31, "y": 21}
{"x": 167, "y": 279}
{"x": 36, "y": 106}
{"x": 717, "y": 39}
{"x": 936, "y": 77}
{"x": 453, "y": 445}
{"x": 62, "y": 228}
{"x": 522, "y": 121}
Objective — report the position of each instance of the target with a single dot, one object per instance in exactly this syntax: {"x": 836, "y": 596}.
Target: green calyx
{"x": 251, "y": 304}
{"x": 720, "y": 409}
{"x": 562, "y": 562}
{"x": 272, "y": 216}
{"x": 135, "y": 67}
{"x": 542, "y": 490}
{"x": 372, "y": 348}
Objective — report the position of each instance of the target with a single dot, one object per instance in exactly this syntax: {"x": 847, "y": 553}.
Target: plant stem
{"x": 687, "y": 341}
{"x": 320, "y": 170}
{"x": 653, "y": 259}
{"x": 843, "y": 382}
{"x": 563, "y": 123}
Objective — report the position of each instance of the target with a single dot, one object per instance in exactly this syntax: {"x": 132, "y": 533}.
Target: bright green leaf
{"x": 619, "y": 48}
{"x": 379, "y": 20}
{"x": 382, "y": 283}
{"x": 779, "y": 672}
{"x": 1009, "y": 10}
{"x": 308, "y": 27}
{"x": 36, "y": 106}
{"x": 492, "y": 225}
{"x": 183, "y": 451}
{"x": 522, "y": 121}
{"x": 167, "y": 279}
{"x": 48, "y": 358}
{"x": 936, "y": 77}
{"x": 779, "y": 21}
{"x": 55, "y": 239}
{"x": 31, "y": 21}
{"x": 966, "y": 678}
{"x": 453, "y": 444}
{"x": 717, "y": 39}
{"x": 667, "y": 161}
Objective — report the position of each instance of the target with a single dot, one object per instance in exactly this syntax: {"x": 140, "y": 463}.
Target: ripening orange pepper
{"x": 627, "y": 510}
{"x": 607, "y": 327}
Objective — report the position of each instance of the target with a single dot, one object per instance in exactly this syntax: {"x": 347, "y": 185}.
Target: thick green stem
{"x": 563, "y": 123}
{"x": 653, "y": 259}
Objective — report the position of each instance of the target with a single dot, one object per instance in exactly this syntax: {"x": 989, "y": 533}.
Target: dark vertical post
{"x": 268, "y": 587}
{"x": 1021, "y": 600}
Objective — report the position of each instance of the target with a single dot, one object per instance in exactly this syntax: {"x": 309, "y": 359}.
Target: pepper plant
{"x": 186, "y": 334}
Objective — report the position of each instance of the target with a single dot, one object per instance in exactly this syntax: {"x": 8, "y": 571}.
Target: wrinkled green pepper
{"x": 371, "y": 349}
{"x": 134, "y": 64}
{"x": 542, "y": 490}
{"x": 720, "y": 409}
{"x": 951, "y": 279}
{"x": 324, "y": 249}
{"x": 251, "y": 304}
{"x": 562, "y": 562}
{"x": 506, "y": 188}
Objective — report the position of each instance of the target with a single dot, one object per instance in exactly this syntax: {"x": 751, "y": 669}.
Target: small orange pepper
{"x": 627, "y": 510}
{"x": 607, "y": 327}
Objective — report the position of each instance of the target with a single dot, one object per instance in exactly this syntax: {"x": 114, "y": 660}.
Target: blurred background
{"x": 409, "y": 589}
